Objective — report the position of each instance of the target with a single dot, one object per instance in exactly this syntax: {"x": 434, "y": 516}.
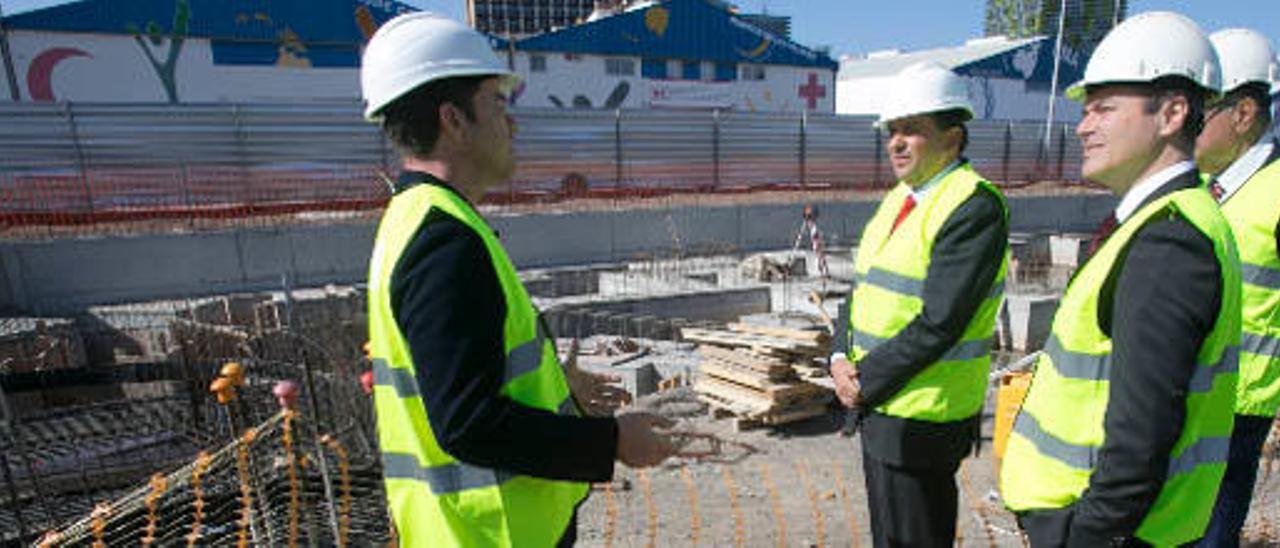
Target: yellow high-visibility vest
{"x": 1253, "y": 212}
{"x": 1053, "y": 449}
{"x": 434, "y": 499}
{"x": 890, "y": 268}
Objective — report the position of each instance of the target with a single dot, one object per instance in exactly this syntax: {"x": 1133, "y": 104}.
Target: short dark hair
{"x": 1260, "y": 94}
{"x": 956, "y": 117}
{"x": 1166, "y": 87}
{"x": 412, "y": 121}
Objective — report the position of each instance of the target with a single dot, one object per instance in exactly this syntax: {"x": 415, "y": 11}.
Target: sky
{"x": 861, "y": 26}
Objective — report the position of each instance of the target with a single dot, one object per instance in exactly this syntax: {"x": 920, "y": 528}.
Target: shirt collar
{"x": 1139, "y": 192}
{"x": 1234, "y": 177}
{"x": 408, "y": 178}
{"x": 919, "y": 194}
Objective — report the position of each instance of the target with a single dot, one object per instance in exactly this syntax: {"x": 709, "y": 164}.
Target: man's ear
{"x": 1173, "y": 114}
{"x": 451, "y": 121}
{"x": 1244, "y": 114}
{"x": 955, "y": 136}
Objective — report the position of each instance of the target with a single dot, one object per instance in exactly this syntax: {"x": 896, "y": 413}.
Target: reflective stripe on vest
{"x": 1261, "y": 276}
{"x": 407, "y": 387}
{"x": 1085, "y": 458}
{"x": 434, "y": 499}
{"x": 890, "y": 269}
{"x": 898, "y": 283}
{"x": 1087, "y": 367}
{"x": 1053, "y": 448}
{"x": 1254, "y": 211}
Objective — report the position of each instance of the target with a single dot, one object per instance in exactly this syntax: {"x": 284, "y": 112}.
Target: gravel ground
{"x": 798, "y": 485}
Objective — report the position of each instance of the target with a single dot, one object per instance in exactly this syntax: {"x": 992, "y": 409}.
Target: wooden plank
{"x": 781, "y": 417}
{"x": 739, "y": 400}
{"x": 776, "y": 374}
{"x": 734, "y": 392}
{"x": 806, "y": 336}
{"x": 771, "y": 366}
{"x": 776, "y": 393}
{"x": 740, "y": 375}
{"x": 729, "y": 338}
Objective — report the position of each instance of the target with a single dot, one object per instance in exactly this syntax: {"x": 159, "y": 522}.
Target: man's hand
{"x": 640, "y": 444}
{"x": 846, "y": 379}
{"x": 598, "y": 394}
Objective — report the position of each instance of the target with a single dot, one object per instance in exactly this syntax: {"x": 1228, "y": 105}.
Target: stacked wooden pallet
{"x": 761, "y": 375}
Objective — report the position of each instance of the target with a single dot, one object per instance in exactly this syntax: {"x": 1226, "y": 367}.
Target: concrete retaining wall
{"x": 65, "y": 276}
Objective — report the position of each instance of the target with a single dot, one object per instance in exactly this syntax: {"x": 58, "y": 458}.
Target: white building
{"x": 681, "y": 54}
{"x": 188, "y": 51}
{"x": 1008, "y": 79}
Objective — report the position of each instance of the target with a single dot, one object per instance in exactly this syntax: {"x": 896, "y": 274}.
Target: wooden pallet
{"x": 771, "y": 367}
{"x": 746, "y": 416}
{"x": 750, "y": 372}
{"x": 807, "y": 336}
{"x": 755, "y": 341}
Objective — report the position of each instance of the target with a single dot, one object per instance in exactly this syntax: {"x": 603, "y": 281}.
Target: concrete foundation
{"x": 1025, "y": 321}
{"x": 66, "y": 276}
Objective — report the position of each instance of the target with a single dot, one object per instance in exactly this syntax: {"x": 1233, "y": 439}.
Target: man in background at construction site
{"x": 1238, "y": 153}
{"x": 930, "y": 269}
{"x": 1122, "y": 437}
{"x": 479, "y": 425}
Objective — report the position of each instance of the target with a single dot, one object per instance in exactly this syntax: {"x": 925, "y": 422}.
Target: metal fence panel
{"x": 843, "y": 151}
{"x": 89, "y": 163}
{"x": 668, "y": 149}
{"x": 552, "y": 144}
{"x": 759, "y": 149}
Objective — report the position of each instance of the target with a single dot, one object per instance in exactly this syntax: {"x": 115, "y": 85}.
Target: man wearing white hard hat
{"x": 930, "y": 268}
{"x": 1122, "y": 437}
{"x": 481, "y": 428}
{"x": 1237, "y": 151}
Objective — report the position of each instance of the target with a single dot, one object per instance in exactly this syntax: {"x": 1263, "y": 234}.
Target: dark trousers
{"x": 913, "y": 507}
{"x": 570, "y": 536}
{"x": 1236, "y": 492}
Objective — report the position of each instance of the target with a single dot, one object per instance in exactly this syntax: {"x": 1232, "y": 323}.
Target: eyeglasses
{"x": 1212, "y": 110}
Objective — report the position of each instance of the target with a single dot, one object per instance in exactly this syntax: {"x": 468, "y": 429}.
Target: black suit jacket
{"x": 1158, "y": 305}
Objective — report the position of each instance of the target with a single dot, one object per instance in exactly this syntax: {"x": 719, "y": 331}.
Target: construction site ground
{"x": 799, "y": 484}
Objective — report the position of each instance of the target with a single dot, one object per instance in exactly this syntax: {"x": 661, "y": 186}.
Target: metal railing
{"x": 98, "y": 163}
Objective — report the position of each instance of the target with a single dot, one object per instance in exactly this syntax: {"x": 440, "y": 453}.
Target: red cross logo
{"x": 812, "y": 91}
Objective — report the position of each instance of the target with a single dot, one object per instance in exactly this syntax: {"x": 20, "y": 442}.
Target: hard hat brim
{"x": 884, "y": 122}
{"x": 1079, "y": 91}
{"x": 510, "y": 80}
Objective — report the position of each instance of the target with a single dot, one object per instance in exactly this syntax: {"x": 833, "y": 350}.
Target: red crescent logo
{"x": 40, "y": 72}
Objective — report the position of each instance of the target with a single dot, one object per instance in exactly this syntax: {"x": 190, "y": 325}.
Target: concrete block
{"x": 1030, "y": 318}
{"x": 1029, "y": 248}
{"x": 640, "y": 378}
{"x": 1068, "y": 249}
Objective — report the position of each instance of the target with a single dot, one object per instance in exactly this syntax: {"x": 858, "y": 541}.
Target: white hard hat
{"x": 1247, "y": 57}
{"x": 1149, "y": 46}
{"x": 419, "y": 47}
{"x": 923, "y": 88}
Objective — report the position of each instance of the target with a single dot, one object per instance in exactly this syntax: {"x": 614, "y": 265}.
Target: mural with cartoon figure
{"x": 155, "y": 38}
{"x": 614, "y": 100}
{"x": 196, "y": 50}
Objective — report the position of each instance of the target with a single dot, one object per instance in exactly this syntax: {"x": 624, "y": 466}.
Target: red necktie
{"x": 1216, "y": 190}
{"x": 1105, "y": 229}
{"x": 907, "y": 205}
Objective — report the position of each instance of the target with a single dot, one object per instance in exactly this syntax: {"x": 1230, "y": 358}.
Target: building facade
{"x": 192, "y": 51}
{"x": 678, "y": 54}
{"x": 518, "y": 18}
{"x": 1008, "y": 79}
